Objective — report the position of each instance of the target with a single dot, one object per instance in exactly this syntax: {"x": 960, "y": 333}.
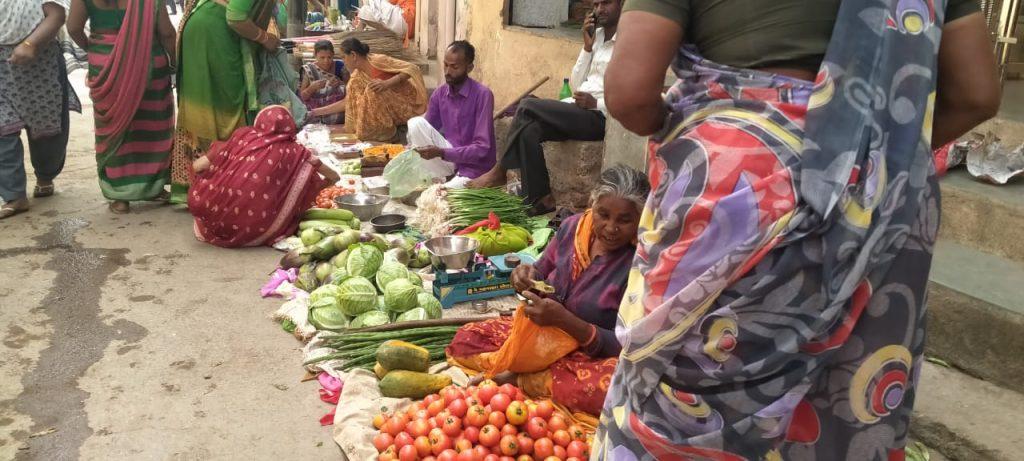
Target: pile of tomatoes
{"x": 325, "y": 199}
{"x": 480, "y": 423}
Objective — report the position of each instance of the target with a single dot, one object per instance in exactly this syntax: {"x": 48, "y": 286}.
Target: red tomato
{"x": 467, "y": 455}
{"x": 403, "y": 439}
{"x": 486, "y": 392}
{"x": 543, "y": 448}
{"x": 422, "y": 444}
{"x": 394, "y": 426}
{"x": 545, "y": 409}
{"x": 573, "y": 459}
{"x": 451, "y": 394}
{"x": 430, "y": 399}
{"x": 432, "y": 423}
{"x": 552, "y": 458}
{"x": 382, "y": 441}
{"x": 453, "y": 426}
{"x": 388, "y": 455}
{"x": 525, "y": 444}
{"x": 408, "y": 453}
{"x": 418, "y": 427}
{"x": 429, "y": 458}
{"x": 557, "y": 422}
{"x": 439, "y": 443}
{"x": 489, "y": 436}
{"x": 578, "y": 449}
{"x": 560, "y": 452}
{"x": 458, "y": 408}
{"x": 561, "y": 438}
{"x": 509, "y": 429}
{"x": 421, "y": 414}
{"x": 440, "y": 418}
{"x": 492, "y": 457}
{"x": 472, "y": 400}
{"x": 482, "y": 452}
{"x": 447, "y": 455}
{"x": 509, "y": 445}
{"x": 497, "y": 418}
{"x": 472, "y": 434}
{"x": 500, "y": 402}
{"x": 476, "y": 416}
{"x": 461, "y": 445}
{"x": 524, "y": 458}
{"x": 509, "y": 390}
{"x": 435, "y": 407}
{"x": 537, "y": 428}
{"x": 516, "y": 413}
{"x": 506, "y": 458}
{"x": 577, "y": 433}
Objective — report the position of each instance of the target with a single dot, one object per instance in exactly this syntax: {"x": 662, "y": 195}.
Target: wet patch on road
{"x": 51, "y": 396}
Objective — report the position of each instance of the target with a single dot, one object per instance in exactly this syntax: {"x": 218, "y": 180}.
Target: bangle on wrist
{"x": 28, "y": 43}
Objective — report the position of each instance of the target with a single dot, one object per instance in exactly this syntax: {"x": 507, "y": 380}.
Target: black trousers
{"x": 540, "y": 120}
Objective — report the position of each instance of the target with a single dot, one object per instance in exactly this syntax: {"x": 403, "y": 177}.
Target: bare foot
{"x": 493, "y": 178}
{"x": 119, "y": 207}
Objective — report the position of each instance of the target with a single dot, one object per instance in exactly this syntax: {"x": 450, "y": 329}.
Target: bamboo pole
{"x": 533, "y": 88}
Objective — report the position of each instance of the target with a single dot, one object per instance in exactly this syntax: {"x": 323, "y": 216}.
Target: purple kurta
{"x": 464, "y": 117}
{"x": 595, "y": 295}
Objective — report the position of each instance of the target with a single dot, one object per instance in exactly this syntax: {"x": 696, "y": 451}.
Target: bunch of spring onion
{"x": 359, "y": 349}
{"x": 469, "y": 206}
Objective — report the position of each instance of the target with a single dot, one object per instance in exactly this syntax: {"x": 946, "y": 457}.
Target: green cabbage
{"x": 400, "y": 295}
{"x": 389, "y": 272}
{"x": 380, "y": 303}
{"x": 324, "y": 314}
{"x": 356, "y": 296}
{"x": 369, "y": 319}
{"x": 414, "y": 314}
{"x": 415, "y": 279}
{"x": 364, "y": 260}
{"x": 429, "y": 303}
{"x": 325, "y": 292}
{"x": 338, "y": 276}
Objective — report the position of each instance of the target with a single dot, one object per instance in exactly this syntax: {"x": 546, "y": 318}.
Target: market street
{"x": 125, "y": 338}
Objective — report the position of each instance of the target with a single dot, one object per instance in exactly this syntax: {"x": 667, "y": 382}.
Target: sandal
{"x": 43, "y": 191}
{"x": 119, "y": 207}
{"x": 164, "y": 196}
{"x": 9, "y": 210}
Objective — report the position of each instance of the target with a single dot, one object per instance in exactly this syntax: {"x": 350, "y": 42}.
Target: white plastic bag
{"x": 408, "y": 172}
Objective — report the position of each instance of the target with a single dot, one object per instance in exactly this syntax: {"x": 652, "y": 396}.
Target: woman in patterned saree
{"x": 131, "y": 49}
{"x": 775, "y": 309}
{"x": 217, "y": 76}
{"x": 382, "y": 93}
{"x": 587, "y": 264}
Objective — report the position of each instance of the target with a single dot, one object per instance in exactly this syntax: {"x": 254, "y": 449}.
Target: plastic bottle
{"x": 566, "y": 91}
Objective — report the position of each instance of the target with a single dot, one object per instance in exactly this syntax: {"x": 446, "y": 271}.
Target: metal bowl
{"x": 451, "y": 252}
{"x": 387, "y": 223}
{"x": 364, "y": 206}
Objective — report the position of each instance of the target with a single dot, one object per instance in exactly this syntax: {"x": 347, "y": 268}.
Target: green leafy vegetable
{"x": 356, "y": 296}
{"x": 364, "y": 260}
{"x": 369, "y": 319}
{"x": 416, "y": 313}
{"x": 389, "y": 272}
{"x": 324, "y": 314}
{"x": 430, "y": 304}
{"x": 400, "y": 295}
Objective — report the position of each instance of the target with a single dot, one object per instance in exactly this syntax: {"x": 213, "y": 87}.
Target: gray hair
{"x": 623, "y": 182}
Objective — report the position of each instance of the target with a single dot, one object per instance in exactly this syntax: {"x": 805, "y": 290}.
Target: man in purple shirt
{"x": 458, "y": 126}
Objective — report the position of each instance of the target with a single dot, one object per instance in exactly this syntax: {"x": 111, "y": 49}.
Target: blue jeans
{"x": 47, "y": 154}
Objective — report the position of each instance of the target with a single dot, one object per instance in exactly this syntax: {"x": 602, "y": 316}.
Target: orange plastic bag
{"x": 530, "y": 347}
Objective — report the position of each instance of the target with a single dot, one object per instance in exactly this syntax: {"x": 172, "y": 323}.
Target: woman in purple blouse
{"x": 587, "y": 264}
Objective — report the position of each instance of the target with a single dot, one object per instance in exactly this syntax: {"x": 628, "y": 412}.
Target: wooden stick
{"x": 533, "y": 88}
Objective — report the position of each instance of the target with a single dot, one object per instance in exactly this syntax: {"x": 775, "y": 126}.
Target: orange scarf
{"x": 583, "y": 239}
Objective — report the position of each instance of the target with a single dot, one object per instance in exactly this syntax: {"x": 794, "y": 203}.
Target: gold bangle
{"x": 27, "y": 43}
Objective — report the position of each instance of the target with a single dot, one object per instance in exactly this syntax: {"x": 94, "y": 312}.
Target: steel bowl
{"x": 387, "y": 223}
{"x": 364, "y": 206}
{"x": 451, "y": 252}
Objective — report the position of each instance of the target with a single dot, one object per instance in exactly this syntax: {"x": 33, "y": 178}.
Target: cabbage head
{"x": 357, "y": 295}
{"x": 380, "y": 303}
{"x": 369, "y": 319}
{"x": 430, "y": 304}
{"x": 389, "y": 272}
{"x": 338, "y": 276}
{"x": 414, "y": 314}
{"x": 330, "y": 292}
{"x": 400, "y": 295}
{"x": 325, "y": 314}
{"x": 364, "y": 260}
{"x": 415, "y": 279}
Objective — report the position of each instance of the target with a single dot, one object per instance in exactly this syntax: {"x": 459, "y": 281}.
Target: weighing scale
{"x": 490, "y": 278}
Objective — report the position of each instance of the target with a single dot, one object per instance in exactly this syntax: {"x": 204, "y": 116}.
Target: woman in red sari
{"x": 252, "y": 189}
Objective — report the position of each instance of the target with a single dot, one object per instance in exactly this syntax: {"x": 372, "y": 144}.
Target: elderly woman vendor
{"x": 587, "y": 264}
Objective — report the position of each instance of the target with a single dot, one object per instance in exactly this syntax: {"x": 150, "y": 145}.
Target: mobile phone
{"x": 593, "y": 26}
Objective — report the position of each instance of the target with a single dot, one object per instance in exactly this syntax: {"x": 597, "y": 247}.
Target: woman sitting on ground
{"x": 252, "y": 189}
{"x": 323, "y": 83}
{"x": 587, "y": 264}
{"x": 382, "y": 93}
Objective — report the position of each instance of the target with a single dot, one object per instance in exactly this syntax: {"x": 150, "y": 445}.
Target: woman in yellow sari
{"x": 382, "y": 93}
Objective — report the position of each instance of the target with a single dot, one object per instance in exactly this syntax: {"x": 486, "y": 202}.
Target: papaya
{"x": 412, "y": 384}
{"x": 379, "y": 371}
{"x": 400, "y": 355}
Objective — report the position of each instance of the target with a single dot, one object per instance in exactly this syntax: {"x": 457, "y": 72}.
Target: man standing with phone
{"x": 580, "y": 117}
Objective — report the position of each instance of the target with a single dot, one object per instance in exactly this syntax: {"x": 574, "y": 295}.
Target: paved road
{"x": 121, "y": 337}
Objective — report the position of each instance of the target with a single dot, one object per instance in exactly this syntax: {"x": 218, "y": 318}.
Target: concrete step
{"x": 976, "y": 313}
{"x": 967, "y": 419}
{"x": 983, "y": 216}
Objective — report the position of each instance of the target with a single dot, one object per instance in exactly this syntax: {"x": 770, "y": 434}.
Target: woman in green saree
{"x": 217, "y": 76}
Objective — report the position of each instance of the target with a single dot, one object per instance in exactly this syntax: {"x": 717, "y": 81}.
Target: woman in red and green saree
{"x": 217, "y": 77}
{"x": 131, "y": 49}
